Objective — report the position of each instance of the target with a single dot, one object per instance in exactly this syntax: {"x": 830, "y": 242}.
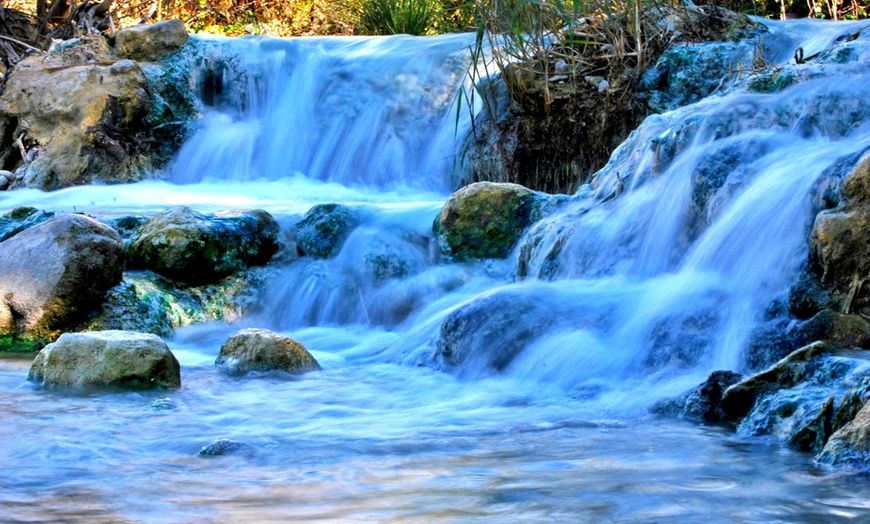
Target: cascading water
{"x": 630, "y": 291}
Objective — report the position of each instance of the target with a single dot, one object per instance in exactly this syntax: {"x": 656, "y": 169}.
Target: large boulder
{"x": 54, "y": 274}
{"x": 702, "y": 403}
{"x": 263, "y": 350}
{"x": 107, "y": 359}
{"x": 196, "y": 248}
{"x": 147, "y": 43}
{"x": 79, "y": 116}
{"x": 324, "y": 228}
{"x": 484, "y": 220}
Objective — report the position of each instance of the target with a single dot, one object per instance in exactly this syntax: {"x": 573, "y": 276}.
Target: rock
{"x": 739, "y": 399}
{"x": 149, "y": 303}
{"x": 484, "y": 220}
{"x": 19, "y": 219}
{"x": 839, "y": 249}
{"x": 223, "y": 446}
{"x": 263, "y": 350}
{"x": 813, "y": 435}
{"x": 704, "y": 402}
{"x": 850, "y": 445}
{"x": 107, "y": 359}
{"x": 194, "y": 248}
{"x": 149, "y": 42}
{"x": 80, "y": 117}
{"x": 324, "y": 228}
{"x": 54, "y": 274}
{"x": 800, "y": 407}
{"x": 487, "y": 333}
{"x": 779, "y": 338}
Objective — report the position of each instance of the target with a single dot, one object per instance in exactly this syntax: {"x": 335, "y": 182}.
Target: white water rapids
{"x": 639, "y": 297}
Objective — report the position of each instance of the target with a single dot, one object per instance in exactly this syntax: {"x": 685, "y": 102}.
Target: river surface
{"x": 643, "y": 293}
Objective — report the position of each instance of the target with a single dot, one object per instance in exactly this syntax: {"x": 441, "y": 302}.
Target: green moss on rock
{"x": 485, "y": 220}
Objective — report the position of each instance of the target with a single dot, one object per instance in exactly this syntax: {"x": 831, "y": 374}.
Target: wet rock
{"x": 54, "y": 274}
{"x": 127, "y": 226}
{"x": 704, "y": 402}
{"x": 195, "y": 248}
{"x": 487, "y": 333}
{"x": 78, "y": 116}
{"x": 129, "y": 307}
{"x": 324, "y": 228}
{"x": 739, "y": 399}
{"x": 263, "y": 350}
{"x": 149, "y": 42}
{"x": 813, "y": 435}
{"x": 802, "y": 409}
{"x": 777, "y": 339}
{"x": 850, "y": 445}
{"x": 839, "y": 250}
{"x": 484, "y": 220}
{"x": 223, "y": 446}
{"x": 19, "y": 219}
{"x": 149, "y": 303}
{"x": 808, "y": 296}
{"x": 107, "y": 359}
{"x": 162, "y": 404}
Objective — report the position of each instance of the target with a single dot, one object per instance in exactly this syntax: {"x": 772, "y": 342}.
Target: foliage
{"x": 390, "y": 17}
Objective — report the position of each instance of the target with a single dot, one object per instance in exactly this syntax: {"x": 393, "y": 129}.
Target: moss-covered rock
{"x": 106, "y": 359}
{"x": 195, "y": 248}
{"x": 485, "y": 220}
{"x": 53, "y": 275}
{"x": 324, "y": 228}
{"x": 149, "y": 303}
{"x": 263, "y": 350}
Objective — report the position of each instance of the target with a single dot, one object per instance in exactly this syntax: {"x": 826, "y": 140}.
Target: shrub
{"x": 390, "y": 17}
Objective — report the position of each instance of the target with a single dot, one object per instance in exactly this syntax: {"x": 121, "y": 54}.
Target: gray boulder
{"x": 54, "y": 274}
{"x": 196, "y": 248}
{"x": 263, "y": 350}
{"x": 107, "y": 359}
{"x": 149, "y": 42}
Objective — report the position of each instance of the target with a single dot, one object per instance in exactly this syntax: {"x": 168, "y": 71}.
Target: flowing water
{"x": 631, "y": 291}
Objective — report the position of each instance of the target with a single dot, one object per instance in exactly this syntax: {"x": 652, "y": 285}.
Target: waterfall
{"x": 377, "y": 112}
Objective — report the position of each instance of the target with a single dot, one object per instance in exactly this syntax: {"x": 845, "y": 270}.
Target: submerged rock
{"x": 485, "y": 220}
{"x": 54, "y": 274}
{"x": 223, "y": 446}
{"x": 149, "y": 42}
{"x": 263, "y": 350}
{"x": 196, "y": 248}
{"x": 107, "y": 359}
{"x": 324, "y": 228}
